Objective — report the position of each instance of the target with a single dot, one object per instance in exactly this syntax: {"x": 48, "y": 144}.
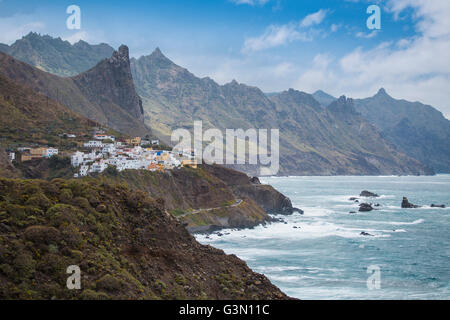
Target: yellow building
{"x": 34, "y": 153}
{"x": 189, "y": 163}
{"x": 135, "y": 141}
{"x": 163, "y": 157}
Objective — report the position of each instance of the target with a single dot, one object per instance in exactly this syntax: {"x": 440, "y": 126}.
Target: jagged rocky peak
{"x": 157, "y": 52}
{"x": 122, "y": 55}
{"x": 111, "y": 81}
{"x": 300, "y": 97}
{"x": 159, "y": 56}
{"x": 382, "y": 93}
{"x": 343, "y": 105}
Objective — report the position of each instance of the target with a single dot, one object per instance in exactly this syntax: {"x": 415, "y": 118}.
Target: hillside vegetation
{"x": 30, "y": 118}
{"x": 126, "y": 244}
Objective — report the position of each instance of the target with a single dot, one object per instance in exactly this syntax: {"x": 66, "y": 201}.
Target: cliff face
{"x": 110, "y": 83}
{"x": 124, "y": 242}
{"x": 269, "y": 199}
{"x": 209, "y": 198}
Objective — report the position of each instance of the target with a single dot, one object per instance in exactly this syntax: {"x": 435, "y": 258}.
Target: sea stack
{"x": 407, "y": 205}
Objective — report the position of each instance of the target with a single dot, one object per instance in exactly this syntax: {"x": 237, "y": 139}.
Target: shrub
{"x": 109, "y": 283}
{"x": 42, "y": 234}
{"x": 39, "y": 200}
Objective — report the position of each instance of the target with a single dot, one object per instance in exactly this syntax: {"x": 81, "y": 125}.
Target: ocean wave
{"x": 394, "y": 223}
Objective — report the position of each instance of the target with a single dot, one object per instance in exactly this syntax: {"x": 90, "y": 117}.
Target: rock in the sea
{"x": 368, "y": 194}
{"x": 365, "y": 207}
{"x": 352, "y": 212}
{"x": 255, "y": 180}
{"x": 438, "y": 206}
{"x": 352, "y": 199}
{"x": 407, "y": 205}
{"x": 366, "y": 234}
{"x": 298, "y": 210}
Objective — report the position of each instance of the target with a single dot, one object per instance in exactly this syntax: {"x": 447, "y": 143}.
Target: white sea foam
{"x": 394, "y": 223}
{"x": 277, "y": 269}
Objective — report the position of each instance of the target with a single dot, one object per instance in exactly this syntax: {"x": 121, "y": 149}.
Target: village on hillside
{"x": 104, "y": 150}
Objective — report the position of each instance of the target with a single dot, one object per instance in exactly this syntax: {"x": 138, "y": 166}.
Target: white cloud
{"x": 367, "y": 35}
{"x": 416, "y": 69}
{"x": 314, "y": 18}
{"x": 278, "y": 35}
{"x": 17, "y": 26}
{"x": 275, "y": 36}
{"x": 250, "y": 2}
{"x": 335, "y": 27}
{"x": 81, "y": 35}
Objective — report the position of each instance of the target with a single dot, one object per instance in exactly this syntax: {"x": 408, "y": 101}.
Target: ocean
{"x": 322, "y": 254}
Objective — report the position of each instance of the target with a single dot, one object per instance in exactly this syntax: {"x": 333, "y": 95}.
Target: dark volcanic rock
{"x": 438, "y": 206}
{"x": 255, "y": 180}
{"x": 368, "y": 194}
{"x": 365, "y": 207}
{"x": 366, "y": 234}
{"x": 407, "y": 205}
{"x": 272, "y": 201}
{"x": 298, "y": 210}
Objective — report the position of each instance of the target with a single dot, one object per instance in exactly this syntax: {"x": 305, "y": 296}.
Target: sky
{"x": 272, "y": 44}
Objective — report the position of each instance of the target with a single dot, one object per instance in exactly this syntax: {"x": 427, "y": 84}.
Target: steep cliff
{"x": 209, "y": 198}
{"x": 110, "y": 83}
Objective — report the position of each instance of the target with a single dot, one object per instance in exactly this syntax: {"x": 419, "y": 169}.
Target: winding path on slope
{"x": 237, "y": 202}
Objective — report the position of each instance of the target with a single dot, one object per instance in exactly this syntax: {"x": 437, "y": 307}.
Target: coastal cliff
{"x": 209, "y": 198}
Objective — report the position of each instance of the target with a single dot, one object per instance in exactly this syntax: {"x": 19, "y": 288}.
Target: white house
{"x": 104, "y": 137}
{"x": 98, "y": 167}
{"x": 49, "y": 152}
{"x": 94, "y": 144}
{"x": 12, "y": 156}
{"x": 77, "y": 159}
{"x": 108, "y": 148}
{"x": 84, "y": 171}
{"x": 155, "y": 142}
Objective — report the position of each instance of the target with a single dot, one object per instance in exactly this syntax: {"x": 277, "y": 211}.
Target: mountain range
{"x": 319, "y": 134}
{"x": 57, "y": 56}
{"x": 418, "y": 130}
{"x": 314, "y": 140}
